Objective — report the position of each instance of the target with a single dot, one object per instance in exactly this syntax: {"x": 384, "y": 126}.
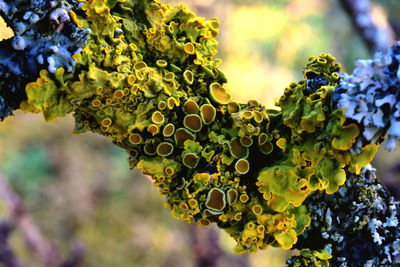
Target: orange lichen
{"x": 135, "y": 139}
{"x": 237, "y": 149}
{"x": 181, "y": 135}
{"x": 219, "y": 94}
{"x": 168, "y": 130}
{"x": 242, "y": 166}
{"x": 216, "y": 200}
{"x": 190, "y": 107}
{"x": 192, "y": 122}
{"x": 233, "y": 107}
{"x": 208, "y": 113}
{"x": 165, "y": 149}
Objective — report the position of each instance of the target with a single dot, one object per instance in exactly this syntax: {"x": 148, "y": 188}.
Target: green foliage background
{"x": 81, "y": 187}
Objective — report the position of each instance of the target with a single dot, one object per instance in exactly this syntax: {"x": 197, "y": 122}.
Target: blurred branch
{"x": 395, "y": 26}
{"x": 377, "y": 37}
{"x": 78, "y": 252}
{"x": 7, "y": 257}
{"x": 207, "y": 251}
{"x": 46, "y": 251}
{"x": 390, "y": 180}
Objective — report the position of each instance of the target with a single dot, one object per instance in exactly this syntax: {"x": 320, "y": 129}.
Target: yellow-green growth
{"x": 147, "y": 80}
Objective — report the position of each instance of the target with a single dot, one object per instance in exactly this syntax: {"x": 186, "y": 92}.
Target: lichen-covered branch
{"x": 45, "y": 37}
{"x": 358, "y": 225}
{"x": 146, "y": 78}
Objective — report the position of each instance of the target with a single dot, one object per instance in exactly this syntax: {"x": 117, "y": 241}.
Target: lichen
{"x": 44, "y": 38}
{"x": 317, "y": 258}
{"x": 147, "y": 79}
{"x": 370, "y": 97}
{"x": 358, "y": 225}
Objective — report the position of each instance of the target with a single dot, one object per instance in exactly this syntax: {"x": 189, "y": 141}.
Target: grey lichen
{"x": 45, "y": 38}
{"x": 358, "y": 225}
{"x": 370, "y": 96}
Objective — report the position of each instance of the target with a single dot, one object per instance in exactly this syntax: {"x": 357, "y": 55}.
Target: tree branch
{"x": 157, "y": 92}
{"x": 207, "y": 251}
{"x": 43, "y": 248}
{"x": 357, "y": 225}
{"x": 7, "y": 256}
{"x": 377, "y": 38}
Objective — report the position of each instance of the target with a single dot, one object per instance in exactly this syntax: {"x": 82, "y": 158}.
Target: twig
{"x": 205, "y": 246}
{"x": 46, "y": 251}
{"x": 207, "y": 251}
{"x": 77, "y": 255}
{"x": 7, "y": 257}
{"x": 377, "y": 38}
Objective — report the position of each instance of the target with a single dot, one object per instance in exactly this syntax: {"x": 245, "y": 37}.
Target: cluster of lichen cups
{"x": 147, "y": 80}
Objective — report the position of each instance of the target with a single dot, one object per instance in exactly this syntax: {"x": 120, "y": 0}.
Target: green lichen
{"x": 148, "y": 81}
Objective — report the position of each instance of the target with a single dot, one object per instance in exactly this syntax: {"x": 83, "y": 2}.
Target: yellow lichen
{"x": 147, "y": 79}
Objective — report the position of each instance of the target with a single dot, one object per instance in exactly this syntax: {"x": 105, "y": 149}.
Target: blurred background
{"x": 79, "y": 189}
